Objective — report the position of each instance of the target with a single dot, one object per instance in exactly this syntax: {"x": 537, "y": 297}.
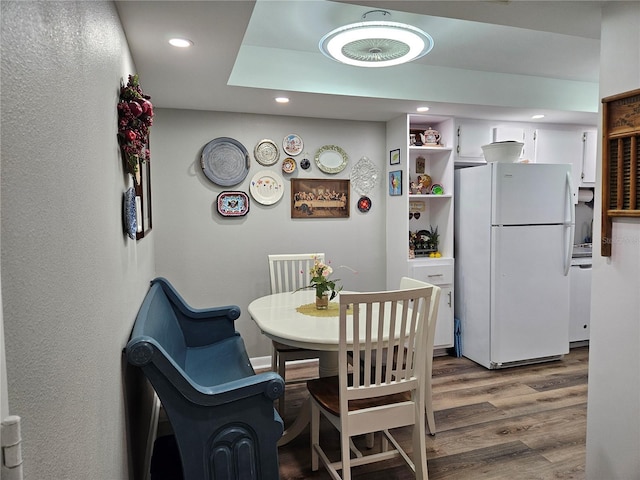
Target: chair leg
{"x": 369, "y": 437}
{"x": 428, "y": 402}
{"x": 346, "y": 458}
{"x": 420, "y": 448}
{"x": 315, "y": 435}
{"x": 282, "y": 366}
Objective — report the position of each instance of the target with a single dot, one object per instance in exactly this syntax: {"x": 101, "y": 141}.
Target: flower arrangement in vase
{"x": 135, "y": 117}
{"x": 325, "y": 288}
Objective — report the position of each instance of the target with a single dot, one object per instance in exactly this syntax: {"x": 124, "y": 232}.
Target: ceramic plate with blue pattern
{"x": 130, "y": 221}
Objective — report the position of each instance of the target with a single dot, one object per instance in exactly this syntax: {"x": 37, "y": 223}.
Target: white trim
{"x": 264, "y": 363}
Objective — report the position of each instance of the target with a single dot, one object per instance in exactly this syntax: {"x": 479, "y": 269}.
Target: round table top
{"x": 279, "y": 317}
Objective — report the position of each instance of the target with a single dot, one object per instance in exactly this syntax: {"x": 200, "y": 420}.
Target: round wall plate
{"x": 292, "y": 144}
{"x": 225, "y": 161}
{"x": 266, "y": 152}
{"x": 267, "y": 187}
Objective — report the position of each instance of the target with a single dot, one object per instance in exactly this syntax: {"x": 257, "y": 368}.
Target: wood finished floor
{"x": 521, "y": 423}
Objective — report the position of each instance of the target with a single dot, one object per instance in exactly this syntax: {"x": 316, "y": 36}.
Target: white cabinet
{"x": 419, "y": 212}
{"x": 579, "y": 301}
{"x": 471, "y": 135}
{"x": 442, "y": 275}
{"x": 589, "y": 158}
{"x": 561, "y": 146}
{"x": 516, "y": 133}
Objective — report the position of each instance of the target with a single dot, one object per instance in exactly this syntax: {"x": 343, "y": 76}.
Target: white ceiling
{"x": 493, "y": 59}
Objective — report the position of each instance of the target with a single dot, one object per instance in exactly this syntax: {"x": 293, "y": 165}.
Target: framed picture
{"x": 394, "y": 157}
{"x": 319, "y": 198}
{"x": 143, "y": 198}
{"x": 395, "y": 183}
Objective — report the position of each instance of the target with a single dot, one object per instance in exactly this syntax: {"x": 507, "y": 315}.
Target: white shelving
{"x": 434, "y": 211}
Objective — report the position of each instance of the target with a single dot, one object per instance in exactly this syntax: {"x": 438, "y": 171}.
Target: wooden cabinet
{"x": 413, "y": 212}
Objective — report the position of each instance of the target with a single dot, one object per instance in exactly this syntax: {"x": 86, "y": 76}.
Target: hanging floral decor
{"x": 135, "y": 117}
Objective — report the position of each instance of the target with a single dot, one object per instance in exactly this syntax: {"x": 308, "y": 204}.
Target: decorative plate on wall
{"x": 364, "y": 204}
{"x": 225, "y": 161}
{"x": 266, "y": 152}
{"x": 331, "y": 159}
{"x": 266, "y": 187}
{"x": 288, "y": 165}
{"x": 292, "y": 144}
{"x": 364, "y": 176}
{"x": 232, "y": 204}
{"x": 129, "y": 213}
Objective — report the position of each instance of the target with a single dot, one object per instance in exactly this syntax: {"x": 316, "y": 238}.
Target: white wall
{"x": 613, "y": 417}
{"x": 216, "y": 260}
{"x": 72, "y": 282}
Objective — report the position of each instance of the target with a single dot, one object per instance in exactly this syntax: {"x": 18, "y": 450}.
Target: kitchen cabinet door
{"x": 444, "y": 326}
{"x": 589, "y": 158}
{"x": 561, "y": 146}
{"x": 579, "y": 302}
{"x": 471, "y": 136}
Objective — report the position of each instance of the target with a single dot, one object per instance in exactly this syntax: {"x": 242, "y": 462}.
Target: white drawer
{"x": 435, "y": 274}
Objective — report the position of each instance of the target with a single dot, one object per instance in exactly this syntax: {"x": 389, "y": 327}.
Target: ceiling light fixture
{"x": 282, "y": 100}
{"x": 537, "y": 117}
{"x": 376, "y": 42}
{"x": 422, "y": 109}
{"x": 180, "y": 42}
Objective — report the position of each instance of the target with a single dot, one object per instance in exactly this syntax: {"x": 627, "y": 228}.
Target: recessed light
{"x": 282, "y": 100}
{"x": 537, "y": 117}
{"x": 422, "y": 109}
{"x": 180, "y": 42}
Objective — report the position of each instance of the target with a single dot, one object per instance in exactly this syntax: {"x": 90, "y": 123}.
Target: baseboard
{"x": 264, "y": 363}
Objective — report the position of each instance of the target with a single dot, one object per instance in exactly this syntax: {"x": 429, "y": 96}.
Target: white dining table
{"x": 277, "y": 317}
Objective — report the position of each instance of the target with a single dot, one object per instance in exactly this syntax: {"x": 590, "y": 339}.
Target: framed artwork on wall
{"x": 395, "y": 183}
{"x": 143, "y": 198}
{"x": 319, "y": 198}
{"x": 394, "y": 157}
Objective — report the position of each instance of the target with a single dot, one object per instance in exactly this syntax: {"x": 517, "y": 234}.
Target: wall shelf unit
{"x": 424, "y": 211}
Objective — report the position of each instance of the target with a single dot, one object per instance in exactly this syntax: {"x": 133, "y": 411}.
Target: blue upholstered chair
{"x": 221, "y": 412}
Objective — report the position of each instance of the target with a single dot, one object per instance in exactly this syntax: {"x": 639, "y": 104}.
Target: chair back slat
{"x": 388, "y": 332}
{"x": 289, "y": 272}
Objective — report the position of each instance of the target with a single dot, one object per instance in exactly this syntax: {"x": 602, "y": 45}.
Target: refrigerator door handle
{"x": 569, "y": 225}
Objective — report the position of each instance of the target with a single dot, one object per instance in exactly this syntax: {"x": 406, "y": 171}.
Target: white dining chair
{"x": 287, "y": 273}
{"x": 406, "y": 283}
{"x": 377, "y": 398}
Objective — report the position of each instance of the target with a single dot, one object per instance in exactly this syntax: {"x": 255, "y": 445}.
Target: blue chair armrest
{"x": 200, "y": 326}
{"x": 146, "y": 353}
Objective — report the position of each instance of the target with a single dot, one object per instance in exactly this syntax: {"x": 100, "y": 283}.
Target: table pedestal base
{"x": 327, "y": 367}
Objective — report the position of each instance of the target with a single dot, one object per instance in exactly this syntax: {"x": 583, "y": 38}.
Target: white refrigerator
{"x": 514, "y": 226}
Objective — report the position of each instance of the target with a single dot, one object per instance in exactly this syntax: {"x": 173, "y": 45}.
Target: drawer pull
{"x": 435, "y": 275}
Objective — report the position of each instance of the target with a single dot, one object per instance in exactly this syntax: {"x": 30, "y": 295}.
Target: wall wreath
{"x": 135, "y": 117}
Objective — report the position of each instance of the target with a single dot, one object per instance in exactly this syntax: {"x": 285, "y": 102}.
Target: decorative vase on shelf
{"x": 322, "y": 302}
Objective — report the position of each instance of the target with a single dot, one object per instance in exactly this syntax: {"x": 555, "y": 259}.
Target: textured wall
{"x": 216, "y": 260}
{"x": 613, "y": 417}
{"x": 72, "y": 282}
